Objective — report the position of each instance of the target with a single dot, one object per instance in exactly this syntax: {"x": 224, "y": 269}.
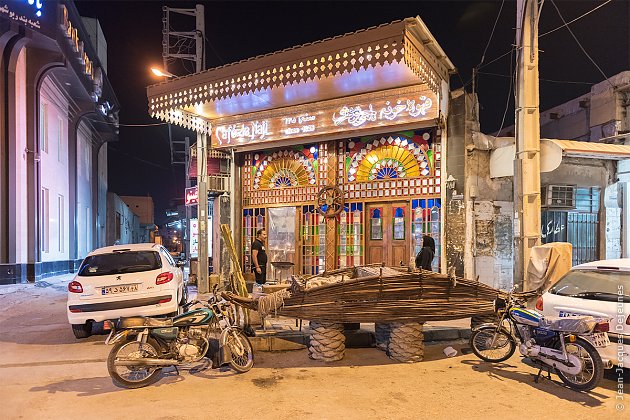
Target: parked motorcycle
{"x": 144, "y": 346}
{"x": 565, "y": 344}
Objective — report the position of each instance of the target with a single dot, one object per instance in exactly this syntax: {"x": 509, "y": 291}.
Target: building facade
{"x": 58, "y": 111}
{"x": 336, "y": 146}
{"x": 584, "y": 180}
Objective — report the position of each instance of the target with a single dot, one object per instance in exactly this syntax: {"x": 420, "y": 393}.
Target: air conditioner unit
{"x": 558, "y": 196}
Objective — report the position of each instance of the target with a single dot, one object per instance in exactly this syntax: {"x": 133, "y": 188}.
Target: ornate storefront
{"x": 392, "y": 197}
{"x": 337, "y": 145}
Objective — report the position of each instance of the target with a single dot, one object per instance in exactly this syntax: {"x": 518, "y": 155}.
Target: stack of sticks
{"x": 402, "y": 296}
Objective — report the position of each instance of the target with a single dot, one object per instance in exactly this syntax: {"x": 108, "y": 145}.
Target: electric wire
{"x": 580, "y": 45}
{"x": 127, "y": 125}
{"x": 576, "y": 19}
{"x": 541, "y": 79}
{"x": 485, "y": 50}
{"x": 138, "y": 159}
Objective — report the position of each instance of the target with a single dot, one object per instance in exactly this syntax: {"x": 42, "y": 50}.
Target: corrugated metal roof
{"x": 596, "y": 150}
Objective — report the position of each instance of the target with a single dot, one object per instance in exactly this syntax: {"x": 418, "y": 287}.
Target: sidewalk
{"x": 278, "y": 333}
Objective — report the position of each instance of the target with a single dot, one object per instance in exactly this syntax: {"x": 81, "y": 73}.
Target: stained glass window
{"x": 376, "y": 224}
{"x": 313, "y": 232}
{"x": 350, "y": 249}
{"x": 253, "y": 219}
{"x": 399, "y": 223}
{"x": 426, "y": 221}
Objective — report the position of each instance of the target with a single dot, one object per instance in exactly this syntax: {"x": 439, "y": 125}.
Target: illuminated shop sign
{"x": 192, "y": 196}
{"x": 26, "y": 12}
{"x": 72, "y": 34}
{"x": 383, "y": 109}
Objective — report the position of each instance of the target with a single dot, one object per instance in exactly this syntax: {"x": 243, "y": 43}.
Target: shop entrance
{"x": 388, "y": 233}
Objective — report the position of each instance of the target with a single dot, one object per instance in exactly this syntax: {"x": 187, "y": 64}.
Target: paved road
{"x": 46, "y": 373}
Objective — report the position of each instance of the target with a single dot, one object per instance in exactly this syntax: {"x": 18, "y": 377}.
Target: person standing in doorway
{"x": 426, "y": 254}
{"x": 259, "y": 257}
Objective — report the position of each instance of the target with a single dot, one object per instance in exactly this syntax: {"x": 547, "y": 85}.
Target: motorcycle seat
{"x": 143, "y": 321}
{"x": 572, "y": 324}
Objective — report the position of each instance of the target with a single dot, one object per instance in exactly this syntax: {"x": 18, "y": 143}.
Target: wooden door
{"x": 388, "y": 233}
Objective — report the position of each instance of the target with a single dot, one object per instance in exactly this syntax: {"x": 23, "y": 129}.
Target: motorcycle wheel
{"x": 592, "y": 366}
{"x": 133, "y": 376}
{"x": 491, "y": 349}
{"x": 241, "y": 351}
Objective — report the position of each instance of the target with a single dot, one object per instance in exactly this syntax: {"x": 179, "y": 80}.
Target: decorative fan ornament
{"x": 397, "y": 159}
{"x": 284, "y": 171}
{"x": 330, "y": 201}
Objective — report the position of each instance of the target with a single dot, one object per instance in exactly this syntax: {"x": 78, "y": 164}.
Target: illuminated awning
{"x": 396, "y": 55}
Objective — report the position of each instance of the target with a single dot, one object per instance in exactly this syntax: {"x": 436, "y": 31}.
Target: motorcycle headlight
{"x": 499, "y": 304}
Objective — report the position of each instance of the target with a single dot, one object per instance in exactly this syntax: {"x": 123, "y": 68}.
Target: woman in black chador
{"x": 426, "y": 254}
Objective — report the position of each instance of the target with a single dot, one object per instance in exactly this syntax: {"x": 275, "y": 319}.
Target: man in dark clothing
{"x": 426, "y": 254}
{"x": 259, "y": 256}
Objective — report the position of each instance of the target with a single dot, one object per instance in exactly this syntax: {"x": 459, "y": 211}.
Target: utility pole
{"x": 527, "y": 114}
{"x": 199, "y": 57}
{"x": 202, "y": 212}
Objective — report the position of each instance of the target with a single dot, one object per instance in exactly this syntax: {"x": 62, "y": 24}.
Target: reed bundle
{"x": 398, "y": 296}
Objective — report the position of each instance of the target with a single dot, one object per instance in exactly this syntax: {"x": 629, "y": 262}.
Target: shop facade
{"x": 336, "y": 146}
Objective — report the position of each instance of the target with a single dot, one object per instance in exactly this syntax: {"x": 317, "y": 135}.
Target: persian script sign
{"x": 192, "y": 196}
{"x": 383, "y": 109}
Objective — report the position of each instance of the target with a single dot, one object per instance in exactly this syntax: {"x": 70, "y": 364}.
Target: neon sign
{"x": 192, "y": 196}
{"x": 14, "y": 13}
{"x": 37, "y": 4}
{"x": 357, "y": 116}
{"x": 383, "y": 109}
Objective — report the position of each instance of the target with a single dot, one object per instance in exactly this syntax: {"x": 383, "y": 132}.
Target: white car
{"x": 121, "y": 281}
{"x": 600, "y": 289}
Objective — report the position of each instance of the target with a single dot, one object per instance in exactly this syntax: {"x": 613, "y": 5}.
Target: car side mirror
{"x": 180, "y": 264}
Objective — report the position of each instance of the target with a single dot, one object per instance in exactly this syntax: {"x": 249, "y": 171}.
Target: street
{"x": 46, "y": 373}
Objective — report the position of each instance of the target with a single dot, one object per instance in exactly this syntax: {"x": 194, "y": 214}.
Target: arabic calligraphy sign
{"x": 383, "y": 109}
{"x": 26, "y": 12}
{"x": 192, "y": 196}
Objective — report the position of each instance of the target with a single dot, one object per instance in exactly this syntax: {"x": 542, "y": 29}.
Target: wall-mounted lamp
{"x": 450, "y": 182}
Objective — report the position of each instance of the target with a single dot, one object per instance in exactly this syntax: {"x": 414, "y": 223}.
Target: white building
{"x": 60, "y": 111}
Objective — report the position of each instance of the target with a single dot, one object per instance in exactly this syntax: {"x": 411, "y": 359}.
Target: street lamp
{"x": 161, "y": 73}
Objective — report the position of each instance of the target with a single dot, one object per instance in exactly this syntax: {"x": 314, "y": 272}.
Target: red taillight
{"x": 164, "y": 278}
{"x": 167, "y": 300}
{"x": 601, "y": 327}
{"x": 75, "y": 311}
{"x": 539, "y": 303}
{"x": 75, "y": 287}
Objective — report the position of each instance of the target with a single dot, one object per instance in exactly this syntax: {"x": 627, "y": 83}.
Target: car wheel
{"x": 82, "y": 330}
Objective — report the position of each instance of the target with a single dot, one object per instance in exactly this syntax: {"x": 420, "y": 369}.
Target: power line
{"x": 542, "y": 80}
{"x": 576, "y": 19}
{"x": 127, "y": 125}
{"x": 485, "y": 50}
{"x": 496, "y": 59}
{"x": 507, "y": 100}
{"x": 138, "y": 159}
{"x": 580, "y": 45}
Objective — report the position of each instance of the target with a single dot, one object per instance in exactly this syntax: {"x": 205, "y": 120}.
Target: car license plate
{"x": 599, "y": 339}
{"x": 121, "y": 288}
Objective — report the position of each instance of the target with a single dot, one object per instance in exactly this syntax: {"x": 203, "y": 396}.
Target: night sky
{"x": 139, "y": 164}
